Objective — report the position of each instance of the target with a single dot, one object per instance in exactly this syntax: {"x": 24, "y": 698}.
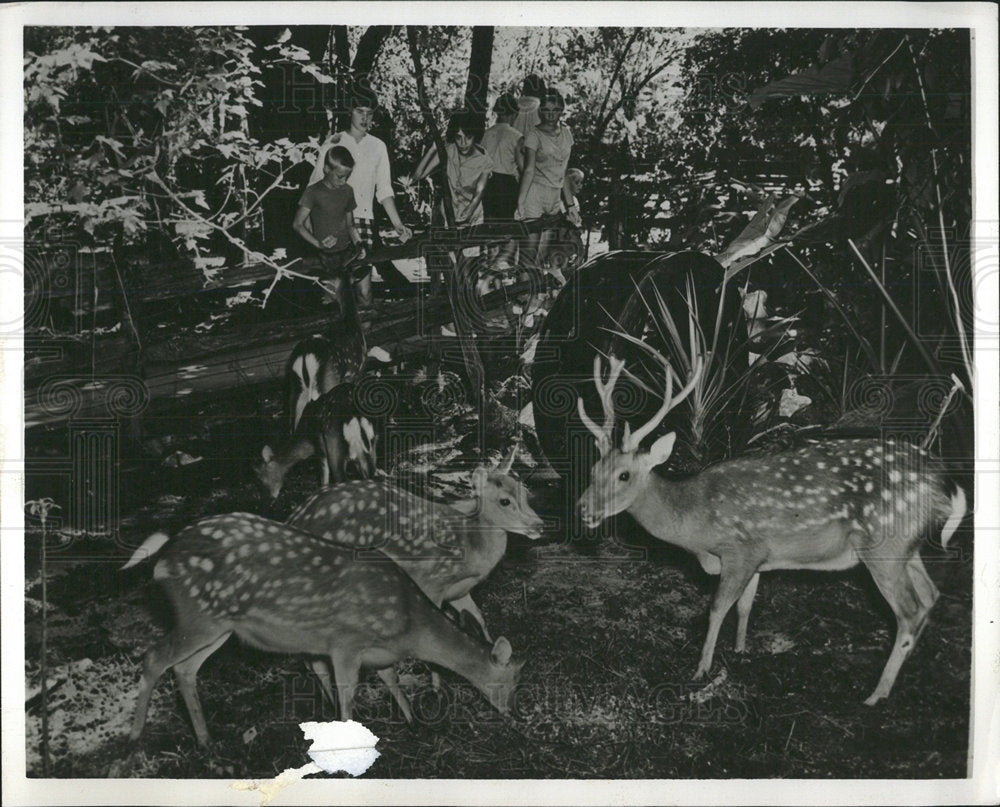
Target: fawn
{"x": 332, "y": 427}
{"x": 447, "y": 550}
{"x": 286, "y": 591}
{"x": 827, "y": 506}
{"x": 317, "y": 364}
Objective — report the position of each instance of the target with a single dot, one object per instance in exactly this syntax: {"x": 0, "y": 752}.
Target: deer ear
{"x": 660, "y": 451}
{"x": 501, "y": 652}
{"x": 479, "y": 479}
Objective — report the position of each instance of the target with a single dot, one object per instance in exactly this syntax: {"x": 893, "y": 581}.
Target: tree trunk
{"x": 368, "y": 47}
{"x": 429, "y": 123}
{"x": 480, "y": 61}
{"x": 313, "y": 38}
{"x": 341, "y": 46}
{"x": 470, "y": 352}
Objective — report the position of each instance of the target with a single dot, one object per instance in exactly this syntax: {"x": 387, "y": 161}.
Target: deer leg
{"x": 160, "y": 658}
{"x": 465, "y": 603}
{"x": 911, "y": 594}
{"x": 388, "y": 674}
{"x": 334, "y": 457}
{"x": 301, "y": 400}
{"x": 743, "y": 606}
{"x": 324, "y": 468}
{"x": 922, "y": 583}
{"x": 186, "y": 673}
{"x": 736, "y": 573}
{"x": 294, "y": 408}
{"x": 346, "y": 668}
{"x": 322, "y": 670}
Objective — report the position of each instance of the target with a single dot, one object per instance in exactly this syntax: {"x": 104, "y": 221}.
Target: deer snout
{"x": 591, "y": 513}
{"x": 270, "y": 485}
{"x": 534, "y": 528}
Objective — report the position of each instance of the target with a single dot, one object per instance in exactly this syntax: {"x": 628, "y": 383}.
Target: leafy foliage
{"x": 136, "y": 135}
{"x": 153, "y": 138}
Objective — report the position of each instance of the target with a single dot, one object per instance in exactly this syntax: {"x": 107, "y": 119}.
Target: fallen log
{"x": 241, "y": 357}
{"x": 158, "y": 282}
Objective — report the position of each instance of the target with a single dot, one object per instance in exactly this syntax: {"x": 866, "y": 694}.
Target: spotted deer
{"x": 287, "y": 591}
{"x": 332, "y": 427}
{"x": 827, "y": 506}
{"x": 446, "y": 549}
{"x": 319, "y": 363}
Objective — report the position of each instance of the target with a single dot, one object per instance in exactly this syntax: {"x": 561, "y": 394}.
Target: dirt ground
{"x": 610, "y": 628}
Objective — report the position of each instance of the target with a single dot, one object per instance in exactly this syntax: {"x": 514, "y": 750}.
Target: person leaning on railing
{"x": 371, "y": 178}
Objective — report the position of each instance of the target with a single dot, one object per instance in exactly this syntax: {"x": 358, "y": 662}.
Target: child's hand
{"x": 329, "y": 242}
{"x": 359, "y": 252}
{"x": 574, "y": 217}
{"x": 404, "y": 233}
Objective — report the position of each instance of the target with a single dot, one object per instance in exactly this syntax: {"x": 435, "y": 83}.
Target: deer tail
{"x": 153, "y": 544}
{"x": 958, "y": 508}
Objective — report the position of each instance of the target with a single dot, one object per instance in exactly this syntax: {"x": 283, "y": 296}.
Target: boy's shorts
{"x": 541, "y": 200}
{"x": 332, "y": 263}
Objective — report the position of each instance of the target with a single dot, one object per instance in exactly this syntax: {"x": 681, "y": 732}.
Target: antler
{"x": 508, "y": 463}
{"x": 604, "y": 390}
{"x": 630, "y": 441}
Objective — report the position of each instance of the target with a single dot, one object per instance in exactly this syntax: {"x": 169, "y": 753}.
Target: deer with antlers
{"x": 827, "y": 506}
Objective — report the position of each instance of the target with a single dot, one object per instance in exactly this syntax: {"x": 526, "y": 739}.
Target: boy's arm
{"x": 572, "y": 206}
{"x": 477, "y": 197}
{"x": 299, "y": 224}
{"x": 526, "y": 177}
{"x": 427, "y": 164}
{"x": 383, "y": 192}
{"x": 404, "y": 232}
{"x": 519, "y": 155}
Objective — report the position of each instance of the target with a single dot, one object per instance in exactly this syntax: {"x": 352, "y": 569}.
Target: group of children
{"x": 516, "y": 169}
{"x": 336, "y": 212}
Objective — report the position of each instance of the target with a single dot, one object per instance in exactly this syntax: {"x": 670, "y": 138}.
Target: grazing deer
{"x": 446, "y": 549}
{"x": 317, "y": 364}
{"x": 826, "y": 506}
{"x": 286, "y": 591}
{"x": 331, "y": 427}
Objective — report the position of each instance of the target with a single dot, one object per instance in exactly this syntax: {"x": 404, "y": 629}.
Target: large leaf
{"x": 761, "y": 232}
{"x": 833, "y": 77}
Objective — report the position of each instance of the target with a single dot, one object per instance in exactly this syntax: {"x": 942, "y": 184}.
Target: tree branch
{"x": 425, "y": 110}
{"x": 599, "y": 129}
